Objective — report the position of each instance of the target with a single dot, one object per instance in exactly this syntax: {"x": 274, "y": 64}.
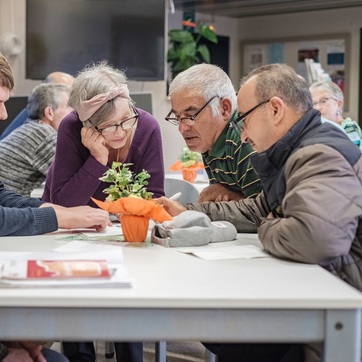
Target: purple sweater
{"x": 73, "y": 178}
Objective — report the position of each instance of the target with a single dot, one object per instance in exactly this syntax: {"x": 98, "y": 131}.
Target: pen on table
{"x": 175, "y": 197}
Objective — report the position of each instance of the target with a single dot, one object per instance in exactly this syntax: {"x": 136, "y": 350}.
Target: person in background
{"x": 328, "y": 99}
{"x": 203, "y": 104}
{"x": 55, "y": 77}
{"x": 26, "y": 154}
{"x": 29, "y": 216}
{"x": 311, "y": 208}
{"x": 105, "y": 127}
{"x": 28, "y": 352}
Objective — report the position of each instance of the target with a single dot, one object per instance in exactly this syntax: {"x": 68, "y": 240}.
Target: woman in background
{"x": 105, "y": 127}
{"x": 328, "y": 99}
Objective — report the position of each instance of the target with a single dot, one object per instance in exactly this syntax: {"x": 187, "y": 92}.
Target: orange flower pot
{"x": 134, "y": 227}
{"x": 136, "y": 214}
{"x": 189, "y": 175}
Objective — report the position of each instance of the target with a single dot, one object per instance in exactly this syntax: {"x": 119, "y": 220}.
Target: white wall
{"x": 12, "y": 20}
{"x": 310, "y": 24}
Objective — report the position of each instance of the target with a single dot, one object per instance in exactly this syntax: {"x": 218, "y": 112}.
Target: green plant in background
{"x": 189, "y": 158}
{"x": 125, "y": 183}
{"x": 185, "y": 50}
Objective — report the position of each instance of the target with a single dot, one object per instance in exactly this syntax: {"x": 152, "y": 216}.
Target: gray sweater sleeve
{"x": 21, "y": 216}
{"x": 246, "y": 214}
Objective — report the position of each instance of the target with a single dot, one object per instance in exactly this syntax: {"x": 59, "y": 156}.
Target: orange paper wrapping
{"x": 188, "y": 173}
{"x": 136, "y": 214}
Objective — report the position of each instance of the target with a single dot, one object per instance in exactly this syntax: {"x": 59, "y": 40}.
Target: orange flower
{"x": 188, "y": 23}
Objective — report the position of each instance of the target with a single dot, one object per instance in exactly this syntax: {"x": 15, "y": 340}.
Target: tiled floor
{"x": 176, "y": 352}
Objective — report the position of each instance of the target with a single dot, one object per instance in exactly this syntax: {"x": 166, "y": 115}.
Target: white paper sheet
{"x": 73, "y": 250}
{"x": 227, "y": 252}
{"x": 109, "y": 231}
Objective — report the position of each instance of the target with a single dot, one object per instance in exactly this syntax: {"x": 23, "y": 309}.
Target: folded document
{"x": 101, "y": 267}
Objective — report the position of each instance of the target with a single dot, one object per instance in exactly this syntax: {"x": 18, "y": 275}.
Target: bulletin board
{"x": 332, "y": 51}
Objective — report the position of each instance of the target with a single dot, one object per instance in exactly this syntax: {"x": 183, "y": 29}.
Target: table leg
{"x": 160, "y": 351}
{"x": 343, "y": 335}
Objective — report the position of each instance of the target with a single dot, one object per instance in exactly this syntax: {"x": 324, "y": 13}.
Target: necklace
{"x": 117, "y": 155}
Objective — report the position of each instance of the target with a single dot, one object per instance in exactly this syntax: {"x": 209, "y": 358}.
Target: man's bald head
{"x": 60, "y": 77}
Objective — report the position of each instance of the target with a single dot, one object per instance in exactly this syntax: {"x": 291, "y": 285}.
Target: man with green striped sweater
{"x": 203, "y": 103}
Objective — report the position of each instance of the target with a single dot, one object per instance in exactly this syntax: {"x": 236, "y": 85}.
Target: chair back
{"x": 189, "y": 192}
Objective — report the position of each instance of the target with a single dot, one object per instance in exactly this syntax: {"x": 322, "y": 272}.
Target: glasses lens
{"x": 109, "y": 130}
{"x": 129, "y": 123}
{"x": 172, "y": 119}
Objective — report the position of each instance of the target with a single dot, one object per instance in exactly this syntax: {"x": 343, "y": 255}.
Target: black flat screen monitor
{"x": 66, "y": 35}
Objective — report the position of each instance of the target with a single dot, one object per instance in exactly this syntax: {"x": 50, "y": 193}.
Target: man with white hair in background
{"x": 54, "y": 78}
{"x": 28, "y": 151}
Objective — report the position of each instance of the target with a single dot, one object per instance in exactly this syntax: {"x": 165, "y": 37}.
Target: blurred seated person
{"x": 203, "y": 102}
{"x": 55, "y": 77}
{"x": 105, "y": 127}
{"x": 328, "y": 99}
{"x": 26, "y": 154}
{"x": 28, "y": 352}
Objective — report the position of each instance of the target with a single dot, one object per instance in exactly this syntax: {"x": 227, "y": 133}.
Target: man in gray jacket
{"x": 310, "y": 209}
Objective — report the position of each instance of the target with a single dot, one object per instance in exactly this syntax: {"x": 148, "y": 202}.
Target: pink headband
{"x": 91, "y": 106}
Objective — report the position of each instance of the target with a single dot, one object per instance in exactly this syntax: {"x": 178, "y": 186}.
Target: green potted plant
{"x": 185, "y": 50}
{"x": 188, "y": 163}
{"x": 124, "y": 183}
{"x": 129, "y": 198}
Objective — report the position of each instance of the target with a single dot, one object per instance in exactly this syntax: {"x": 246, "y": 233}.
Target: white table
{"x": 181, "y": 297}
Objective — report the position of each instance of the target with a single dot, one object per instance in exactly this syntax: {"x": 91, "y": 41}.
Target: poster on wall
{"x": 328, "y": 52}
{"x": 275, "y": 53}
{"x": 255, "y": 57}
{"x": 306, "y": 50}
{"x": 335, "y": 51}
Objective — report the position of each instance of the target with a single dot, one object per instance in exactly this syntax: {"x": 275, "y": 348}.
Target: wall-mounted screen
{"x": 65, "y": 35}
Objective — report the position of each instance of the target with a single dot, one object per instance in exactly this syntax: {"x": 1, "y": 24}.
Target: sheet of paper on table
{"x": 226, "y": 252}
{"x": 76, "y": 250}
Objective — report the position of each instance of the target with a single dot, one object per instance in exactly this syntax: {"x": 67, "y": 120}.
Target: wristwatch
{"x": 3, "y": 351}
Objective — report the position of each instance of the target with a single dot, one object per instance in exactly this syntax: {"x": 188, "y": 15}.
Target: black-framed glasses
{"x": 125, "y": 125}
{"x": 238, "y": 123}
{"x": 190, "y": 120}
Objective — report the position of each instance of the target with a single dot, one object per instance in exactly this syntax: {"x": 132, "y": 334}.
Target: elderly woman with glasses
{"x": 105, "y": 127}
{"x": 328, "y": 99}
